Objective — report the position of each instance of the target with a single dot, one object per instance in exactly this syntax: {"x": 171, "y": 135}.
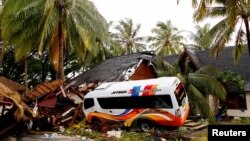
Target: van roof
{"x": 126, "y": 85}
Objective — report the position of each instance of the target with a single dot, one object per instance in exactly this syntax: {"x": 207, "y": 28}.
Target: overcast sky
{"x": 148, "y": 12}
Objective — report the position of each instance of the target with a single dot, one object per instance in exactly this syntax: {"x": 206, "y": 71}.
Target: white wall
{"x": 240, "y": 113}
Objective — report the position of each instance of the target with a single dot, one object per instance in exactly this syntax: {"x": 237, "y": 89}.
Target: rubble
{"x": 49, "y": 105}
{"x": 114, "y": 133}
{"x": 62, "y": 106}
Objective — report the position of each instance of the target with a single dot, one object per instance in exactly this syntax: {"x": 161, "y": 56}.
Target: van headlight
{"x": 178, "y": 112}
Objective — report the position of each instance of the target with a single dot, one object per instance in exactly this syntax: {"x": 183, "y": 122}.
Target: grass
{"x": 201, "y": 136}
{"x": 182, "y": 134}
{"x": 80, "y": 130}
{"x": 235, "y": 121}
{"x": 98, "y": 136}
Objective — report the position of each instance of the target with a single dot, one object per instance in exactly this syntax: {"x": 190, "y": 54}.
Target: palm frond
{"x": 196, "y": 98}
{"x": 209, "y": 37}
{"x": 221, "y": 39}
{"x": 207, "y": 85}
{"x": 208, "y": 70}
{"x": 216, "y": 11}
{"x": 164, "y": 68}
{"x": 199, "y": 14}
{"x": 239, "y": 45}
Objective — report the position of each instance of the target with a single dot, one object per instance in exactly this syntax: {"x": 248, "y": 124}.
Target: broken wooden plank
{"x": 76, "y": 92}
{"x": 63, "y": 92}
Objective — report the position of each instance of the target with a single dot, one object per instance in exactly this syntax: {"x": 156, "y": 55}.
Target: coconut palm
{"x": 127, "y": 36}
{"x": 199, "y": 87}
{"x": 201, "y": 31}
{"x": 235, "y": 14}
{"x": 55, "y": 25}
{"x": 198, "y": 84}
{"x": 167, "y": 39}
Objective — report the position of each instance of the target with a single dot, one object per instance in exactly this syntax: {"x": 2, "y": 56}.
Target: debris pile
{"x": 48, "y": 105}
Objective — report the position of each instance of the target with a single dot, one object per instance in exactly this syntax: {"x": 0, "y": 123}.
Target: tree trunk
{"x": 44, "y": 67}
{"x": 52, "y": 72}
{"x": 61, "y": 42}
{"x": 26, "y": 74}
{"x": 248, "y": 33}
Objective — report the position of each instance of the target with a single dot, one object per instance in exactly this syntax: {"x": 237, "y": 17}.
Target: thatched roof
{"x": 171, "y": 59}
{"x": 17, "y": 100}
{"x": 113, "y": 69}
{"x": 14, "y": 86}
{"x": 224, "y": 61}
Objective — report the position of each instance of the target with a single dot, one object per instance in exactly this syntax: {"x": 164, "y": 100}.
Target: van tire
{"x": 96, "y": 123}
{"x": 145, "y": 125}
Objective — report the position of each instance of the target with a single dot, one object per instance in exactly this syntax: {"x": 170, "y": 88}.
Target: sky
{"x": 148, "y": 13}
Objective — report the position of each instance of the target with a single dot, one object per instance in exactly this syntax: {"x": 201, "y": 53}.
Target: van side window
{"x": 88, "y": 103}
{"x": 161, "y": 101}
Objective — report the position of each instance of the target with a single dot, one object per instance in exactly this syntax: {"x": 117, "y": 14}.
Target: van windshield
{"x": 180, "y": 94}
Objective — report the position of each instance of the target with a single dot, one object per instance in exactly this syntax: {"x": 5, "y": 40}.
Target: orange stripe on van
{"x": 156, "y": 115}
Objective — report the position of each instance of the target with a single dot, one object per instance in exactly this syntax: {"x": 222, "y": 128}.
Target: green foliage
{"x": 163, "y": 68}
{"x": 133, "y": 136}
{"x": 207, "y": 85}
{"x": 197, "y": 98}
{"x": 40, "y": 24}
{"x": 201, "y": 136}
{"x": 39, "y": 68}
{"x": 232, "y": 79}
{"x": 80, "y": 129}
{"x": 10, "y": 68}
{"x": 197, "y": 37}
{"x": 126, "y": 36}
{"x": 241, "y": 120}
{"x": 199, "y": 85}
{"x": 166, "y": 40}
{"x": 233, "y": 13}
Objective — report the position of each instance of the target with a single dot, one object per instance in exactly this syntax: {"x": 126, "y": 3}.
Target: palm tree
{"x": 197, "y": 37}
{"x": 199, "y": 87}
{"x": 167, "y": 39}
{"x": 198, "y": 84}
{"x": 235, "y": 14}
{"x": 127, "y": 36}
{"x": 55, "y": 25}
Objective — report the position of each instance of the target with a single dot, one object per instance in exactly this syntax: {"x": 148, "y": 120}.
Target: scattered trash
{"x": 162, "y": 139}
{"x": 61, "y": 129}
{"x": 114, "y": 133}
{"x": 53, "y": 135}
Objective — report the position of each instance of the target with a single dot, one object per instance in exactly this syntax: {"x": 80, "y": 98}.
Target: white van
{"x": 144, "y": 103}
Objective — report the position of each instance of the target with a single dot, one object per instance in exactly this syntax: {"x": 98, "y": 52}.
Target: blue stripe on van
{"x": 136, "y": 90}
{"x": 125, "y": 112}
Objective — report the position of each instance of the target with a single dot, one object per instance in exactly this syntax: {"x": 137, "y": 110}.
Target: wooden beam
{"x": 76, "y": 92}
{"x": 63, "y": 92}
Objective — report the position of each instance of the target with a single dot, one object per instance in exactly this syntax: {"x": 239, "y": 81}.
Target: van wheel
{"x": 96, "y": 123}
{"x": 145, "y": 125}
